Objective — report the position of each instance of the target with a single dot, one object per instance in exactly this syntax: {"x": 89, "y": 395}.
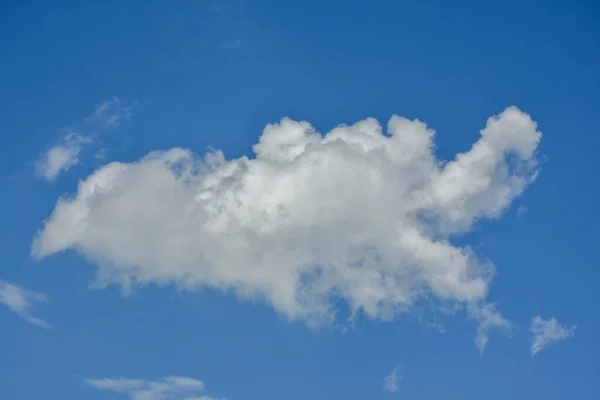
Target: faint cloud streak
{"x": 65, "y": 155}
{"x": 20, "y": 301}
{"x": 390, "y": 382}
{"x": 168, "y": 388}
{"x": 110, "y": 113}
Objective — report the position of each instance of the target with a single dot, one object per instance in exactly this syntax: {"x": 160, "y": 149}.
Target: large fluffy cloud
{"x": 355, "y": 214}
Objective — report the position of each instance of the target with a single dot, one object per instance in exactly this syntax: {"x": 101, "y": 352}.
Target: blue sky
{"x": 291, "y": 264}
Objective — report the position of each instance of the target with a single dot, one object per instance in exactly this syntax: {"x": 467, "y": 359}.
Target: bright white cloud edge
{"x": 546, "y": 332}
{"x": 354, "y": 214}
{"x": 168, "y": 388}
{"x": 21, "y": 301}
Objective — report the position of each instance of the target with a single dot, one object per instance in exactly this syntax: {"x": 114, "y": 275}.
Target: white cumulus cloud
{"x": 545, "y": 332}
{"x": 61, "y": 157}
{"x": 356, "y": 214}
{"x": 168, "y": 388}
{"x": 21, "y": 302}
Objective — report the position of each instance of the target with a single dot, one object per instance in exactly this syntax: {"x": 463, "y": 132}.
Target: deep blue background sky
{"x": 213, "y": 74}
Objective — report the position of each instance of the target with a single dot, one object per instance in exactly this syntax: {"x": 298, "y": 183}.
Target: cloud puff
{"x": 21, "y": 302}
{"x": 547, "y": 332}
{"x": 390, "y": 382}
{"x": 110, "y": 113}
{"x": 356, "y": 214}
{"x": 61, "y": 157}
{"x": 169, "y": 388}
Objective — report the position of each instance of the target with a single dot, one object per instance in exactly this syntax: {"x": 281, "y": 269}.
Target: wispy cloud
{"x": 168, "y": 388}
{"x": 21, "y": 302}
{"x": 65, "y": 155}
{"x": 61, "y": 157}
{"x": 522, "y": 210}
{"x": 110, "y": 113}
{"x": 390, "y": 382}
{"x": 546, "y": 332}
{"x": 488, "y": 318}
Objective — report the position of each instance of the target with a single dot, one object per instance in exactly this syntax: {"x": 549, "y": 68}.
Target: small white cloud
{"x": 522, "y": 210}
{"x": 110, "y": 113}
{"x": 488, "y": 318}
{"x": 65, "y": 155}
{"x": 545, "y": 332}
{"x": 61, "y": 157}
{"x": 21, "y": 302}
{"x": 168, "y": 388}
{"x": 390, "y": 382}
